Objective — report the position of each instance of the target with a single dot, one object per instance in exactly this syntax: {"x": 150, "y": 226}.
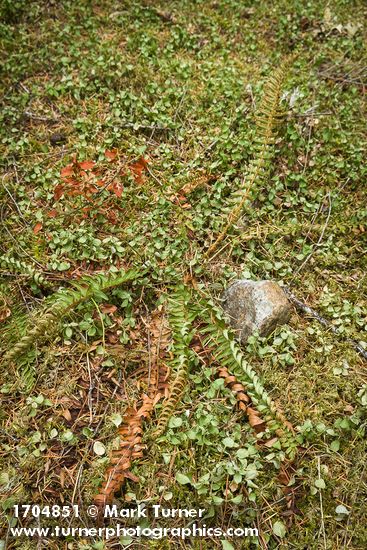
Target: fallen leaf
{"x": 270, "y": 442}
{"x": 66, "y": 414}
{"x": 137, "y": 169}
{"x": 4, "y": 314}
{"x": 37, "y": 228}
{"x": 112, "y": 338}
{"x": 87, "y": 164}
{"x": 117, "y": 188}
{"x": 108, "y": 308}
{"x": 99, "y": 448}
{"x": 62, "y": 478}
{"x": 112, "y": 217}
{"x": 110, "y": 154}
{"x": 67, "y": 171}
{"x": 58, "y": 192}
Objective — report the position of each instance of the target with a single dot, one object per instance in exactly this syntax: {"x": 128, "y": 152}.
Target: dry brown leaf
{"x": 66, "y": 414}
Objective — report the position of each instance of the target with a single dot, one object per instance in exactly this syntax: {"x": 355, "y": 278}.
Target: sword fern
{"x": 41, "y": 324}
{"x": 268, "y": 118}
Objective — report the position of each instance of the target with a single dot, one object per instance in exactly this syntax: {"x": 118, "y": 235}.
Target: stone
{"x": 255, "y": 306}
{"x": 58, "y": 138}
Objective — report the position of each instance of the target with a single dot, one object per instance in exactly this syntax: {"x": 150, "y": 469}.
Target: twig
{"x": 324, "y": 322}
{"x": 90, "y": 391}
{"x": 347, "y": 80}
{"x": 32, "y": 116}
{"x": 24, "y": 88}
{"x": 151, "y": 173}
{"x": 312, "y": 114}
{"x": 320, "y": 238}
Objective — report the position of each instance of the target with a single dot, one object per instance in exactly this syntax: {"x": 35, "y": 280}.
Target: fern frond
{"x": 131, "y": 448}
{"x": 17, "y": 266}
{"x": 268, "y": 118}
{"x": 41, "y": 325}
{"x": 228, "y": 354}
{"x": 27, "y": 373}
{"x": 180, "y": 320}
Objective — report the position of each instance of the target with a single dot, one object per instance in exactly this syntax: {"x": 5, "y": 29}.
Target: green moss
{"x": 177, "y": 83}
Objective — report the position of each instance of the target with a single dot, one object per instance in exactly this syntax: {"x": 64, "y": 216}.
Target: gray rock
{"x": 255, "y": 306}
{"x": 58, "y": 138}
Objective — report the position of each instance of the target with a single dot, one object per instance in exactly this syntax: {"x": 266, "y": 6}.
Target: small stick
{"x": 320, "y": 238}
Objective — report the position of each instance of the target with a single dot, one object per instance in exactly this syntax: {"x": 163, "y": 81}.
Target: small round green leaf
{"x": 99, "y": 448}
{"x": 182, "y": 479}
{"x": 279, "y": 529}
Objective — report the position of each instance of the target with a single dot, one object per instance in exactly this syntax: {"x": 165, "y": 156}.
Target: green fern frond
{"x": 41, "y": 325}
{"x": 228, "y": 353}
{"x": 27, "y": 372}
{"x": 180, "y": 320}
{"x": 17, "y": 266}
{"x": 268, "y": 118}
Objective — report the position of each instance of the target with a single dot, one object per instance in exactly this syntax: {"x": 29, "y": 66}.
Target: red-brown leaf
{"x": 108, "y": 308}
{"x": 87, "y": 164}
{"x": 37, "y": 228}
{"x": 117, "y": 189}
{"x": 4, "y": 314}
{"x": 137, "y": 169}
{"x": 67, "y": 171}
{"x": 110, "y": 154}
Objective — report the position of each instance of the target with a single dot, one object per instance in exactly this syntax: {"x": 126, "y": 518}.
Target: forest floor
{"x": 124, "y": 128}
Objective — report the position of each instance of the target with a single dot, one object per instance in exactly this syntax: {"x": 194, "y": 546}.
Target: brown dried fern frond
{"x": 131, "y": 434}
{"x": 244, "y": 401}
{"x": 131, "y": 430}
